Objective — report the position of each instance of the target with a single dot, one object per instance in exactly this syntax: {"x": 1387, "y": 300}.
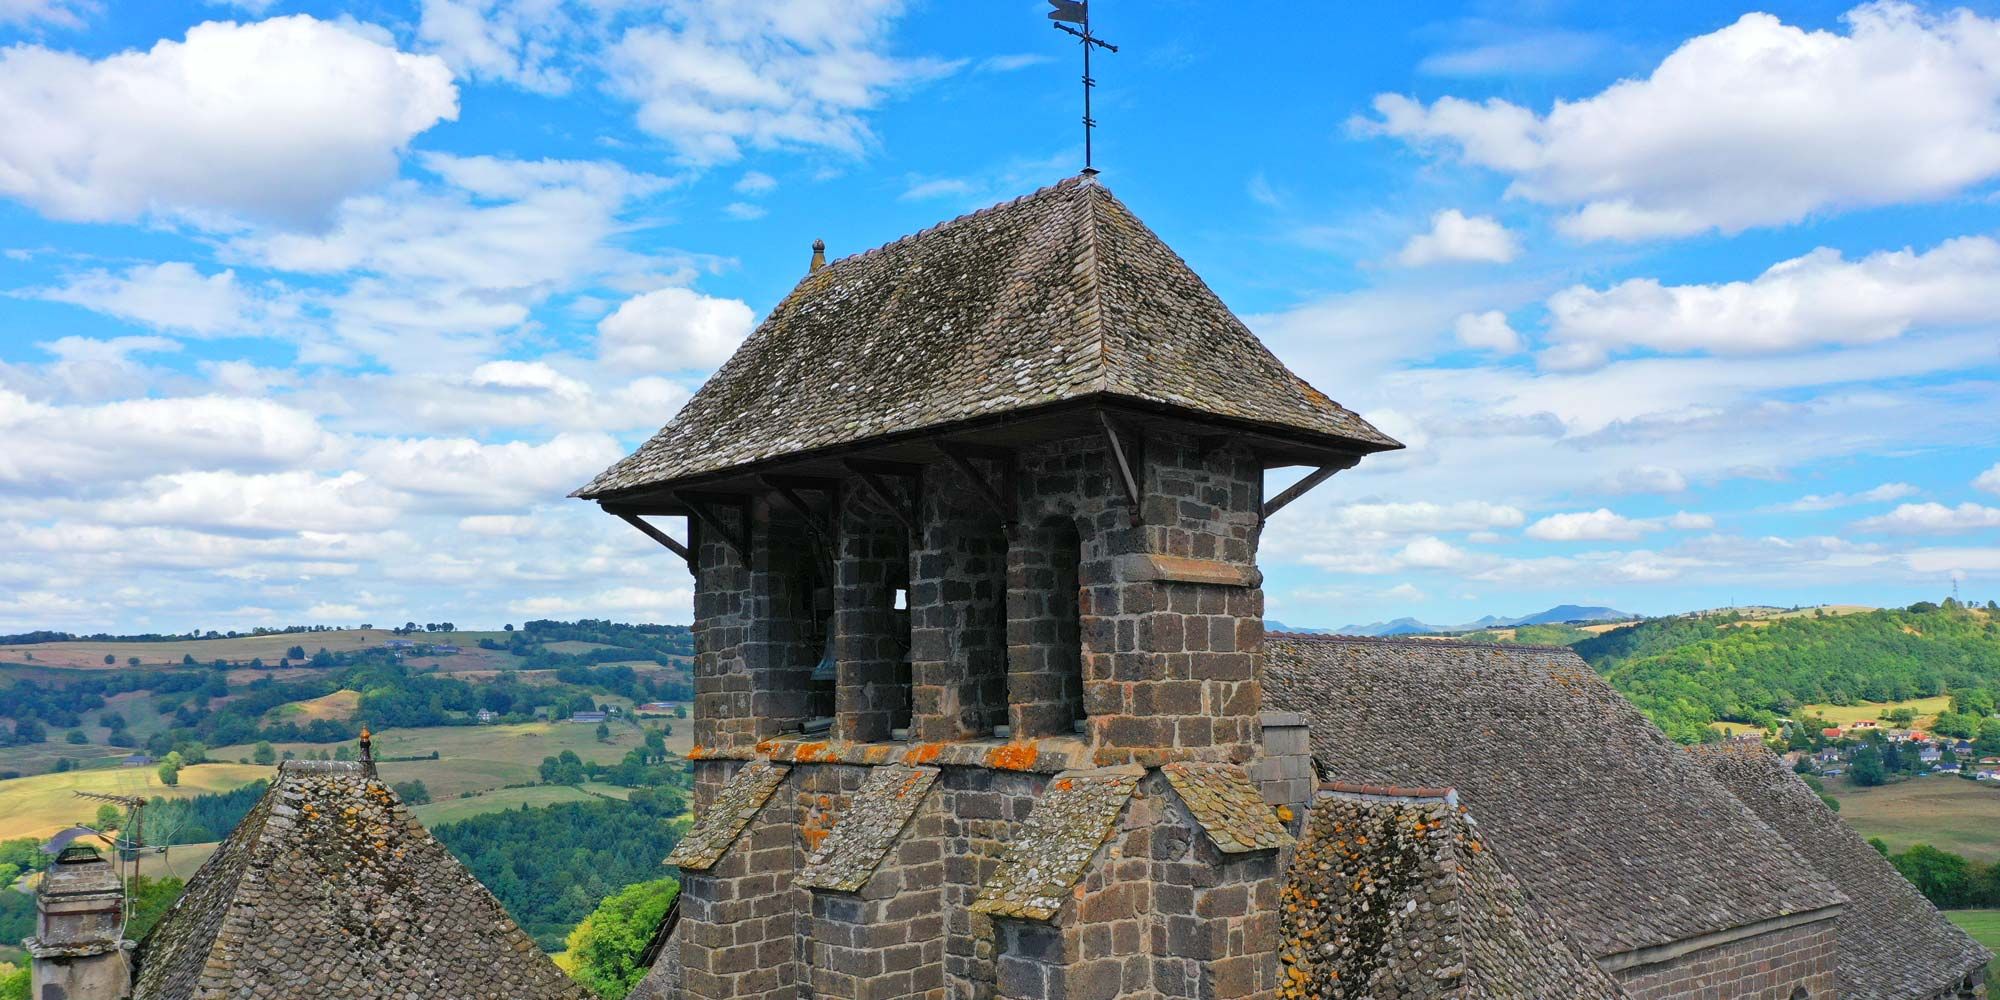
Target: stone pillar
{"x": 740, "y": 922}
{"x": 1284, "y": 774}
{"x": 1045, "y": 644}
{"x": 886, "y": 941}
{"x": 958, "y": 613}
{"x": 782, "y": 643}
{"x": 871, "y": 637}
{"x": 722, "y": 684}
{"x": 79, "y": 912}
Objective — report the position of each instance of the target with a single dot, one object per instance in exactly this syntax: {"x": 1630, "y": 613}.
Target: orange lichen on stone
{"x": 1013, "y": 756}
{"x": 806, "y": 753}
{"x": 923, "y": 753}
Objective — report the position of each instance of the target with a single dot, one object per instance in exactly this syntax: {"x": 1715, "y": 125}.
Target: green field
{"x": 1984, "y": 926}
{"x": 483, "y": 758}
{"x": 1947, "y": 813}
{"x": 451, "y": 810}
{"x": 43, "y": 804}
{"x": 1927, "y": 710}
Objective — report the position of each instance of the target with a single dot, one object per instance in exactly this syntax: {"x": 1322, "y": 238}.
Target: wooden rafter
{"x": 1304, "y": 486}
{"x": 961, "y": 455}
{"x": 788, "y": 489}
{"x": 702, "y": 509}
{"x": 1124, "y": 464}
{"x": 871, "y": 474}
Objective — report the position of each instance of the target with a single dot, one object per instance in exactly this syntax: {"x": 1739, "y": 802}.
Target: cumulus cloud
{"x": 643, "y": 603}
{"x": 55, "y": 13}
{"x": 713, "y": 78}
{"x": 1828, "y": 501}
{"x": 177, "y": 297}
{"x": 280, "y": 120}
{"x": 1989, "y": 480}
{"x": 61, "y": 449}
{"x": 521, "y": 42}
{"x": 1456, "y": 237}
{"x": 270, "y": 504}
{"x": 1932, "y": 519}
{"x": 463, "y": 475}
{"x": 672, "y": 329}
{"x": 1603, "y": 524}
{"x": 1818, "y": 299}
{"x": 1645, "y": 479}
{"x": 754, "y": 182}
{"x": 1487, "y": 331}
{"x": 1759, "y": 123}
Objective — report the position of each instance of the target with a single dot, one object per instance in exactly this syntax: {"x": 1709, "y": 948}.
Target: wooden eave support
{"x": 1124, "y": 465}
{"x": 871, "y": 473}
{"x": 702, "y": 508}
{"x": 787, "y": 488}
{"x": 631, "y": 517}
{"x": 1304, "y": 486}
{"x": 960, "y": 456}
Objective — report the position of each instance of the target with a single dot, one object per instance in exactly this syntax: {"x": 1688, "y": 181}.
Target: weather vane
{"x": 1066, "y": 13}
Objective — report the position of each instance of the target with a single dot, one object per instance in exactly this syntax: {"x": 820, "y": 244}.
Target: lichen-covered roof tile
{"x": 1228, "y": 806}
{"x": 735, "y": 804}
{"x": 1054, "y": 846}
{"x": 329, "y": 889}
{"x": 1055, "y": 297}
{"x": 1587, "y": 797}
{"x": 1894, "y": 945}
{"x": 880, "y": 809}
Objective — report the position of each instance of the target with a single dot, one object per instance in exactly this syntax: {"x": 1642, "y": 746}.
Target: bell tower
{"x": 973, "y": 521}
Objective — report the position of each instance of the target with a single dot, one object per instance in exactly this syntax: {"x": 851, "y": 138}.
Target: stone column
{"x": 76, "y": 951}
{"x": 871, "y": 637}
{"x": 958, "y": 613}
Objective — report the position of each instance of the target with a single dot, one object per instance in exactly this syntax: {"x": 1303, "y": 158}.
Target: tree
{"x": 131, "y": 661}
{"x": 343, "y": 752}
{"x": 170, "y": 773}
{"x": 187, "y": 659}
{"x": 1943, "y": 877}
{"x": 295, "y": 653}
{"x": 413, "y": 793}
{"x": 109, "y": 817}
{"x": 603, "y": 731}
{"x": 605, "y": 949}
{"x": 1866, "y": 769}
{"x": 263, "y": 754}
{"x": 76, "y": 736}
{"x": 110, "y": 659}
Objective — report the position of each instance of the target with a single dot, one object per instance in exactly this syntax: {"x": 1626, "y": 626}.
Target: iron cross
{"x": 1066, "y": 13}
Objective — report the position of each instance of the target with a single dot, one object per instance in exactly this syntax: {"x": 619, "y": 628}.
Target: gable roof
{"x": 1399, "y": 896}
{"x": 1059, "y": 296}
{"x": 329, "y": 888}
{"x": 1893, "y": 943}
{"x": 1621, "y": 837}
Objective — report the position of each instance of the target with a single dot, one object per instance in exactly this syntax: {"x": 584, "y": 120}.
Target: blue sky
{"x": 313, "y": 312}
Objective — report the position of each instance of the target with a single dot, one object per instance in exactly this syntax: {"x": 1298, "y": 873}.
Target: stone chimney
{"x": 79, "y": 949}
{"x": 819, "y": 256}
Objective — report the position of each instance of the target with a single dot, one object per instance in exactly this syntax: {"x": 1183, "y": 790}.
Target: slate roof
{"x": 1058, "y": 296}
{"x": 1893, "y": 943}
{"x": 330, "y": 890}
{"x": 1054, "y": 846}
{"x": 1402, "y": 900}
{"x": 881, "y": 807}
{"x": 735, "y": 805}
{"x": 1228, "y": 806}
{"x": 1622, "y": 838}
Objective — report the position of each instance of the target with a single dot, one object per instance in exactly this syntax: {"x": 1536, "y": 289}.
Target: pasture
{"x": 1945, "y": 812}
{"x": 41, "y": 805}
{"x": 1927, "y": 710}
{"x": 336, "y": 707}
{"x": 89, "y": 655}
{"x": 1984, "y": 926}
{"x": 452, "y": 810}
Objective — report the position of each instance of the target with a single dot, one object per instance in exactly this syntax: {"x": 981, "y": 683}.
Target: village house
{"x": 985, "y": 707}
{"x": 588, "y": 717}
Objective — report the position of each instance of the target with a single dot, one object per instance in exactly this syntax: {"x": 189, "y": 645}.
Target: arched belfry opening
{"x": 1045, "y": 645}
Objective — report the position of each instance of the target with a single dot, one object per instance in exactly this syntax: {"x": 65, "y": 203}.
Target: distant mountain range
{"x": 1411, "y": 626}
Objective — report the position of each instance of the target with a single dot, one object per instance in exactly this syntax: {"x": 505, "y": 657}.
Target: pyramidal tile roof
{"x": 1058, "y": 296}
{"x": 1405, "y": 899}
{"x": 329, "y": 889}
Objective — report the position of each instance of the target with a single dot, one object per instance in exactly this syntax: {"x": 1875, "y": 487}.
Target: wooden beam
{"x": 871, "y": 478}
{"x": 686, "y": 554}
{"x": 738, "y": 538}
{"x": 906, "y": 470}
{"x": 1002, "y": 500}
{"x": 1124, "y": 466}
{"x": 789, "y": 493}
{"x": 1304, "y": 486}
{"x": 812, "y": 484}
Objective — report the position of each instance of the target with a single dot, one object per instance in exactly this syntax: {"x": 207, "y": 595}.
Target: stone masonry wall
{"x": 1765, "y": 967}
{"x": 958, "y": 613}
{"x": 871, "y": 638}
{"x": 739, "y": 930}
{"x": 887, "y": 941}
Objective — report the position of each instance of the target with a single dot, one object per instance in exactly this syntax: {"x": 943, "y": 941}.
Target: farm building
{"x": 985, "y": 707}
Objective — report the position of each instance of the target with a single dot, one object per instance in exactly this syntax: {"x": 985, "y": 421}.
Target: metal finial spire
{"x": 1078, "y": 12}
{"x": 367, "y": 751}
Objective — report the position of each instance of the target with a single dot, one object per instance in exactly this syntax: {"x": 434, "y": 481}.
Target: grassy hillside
{"x": 1687, "y": 672}
{"x": 41, "y": 805}
{"x": 1950, "y": 813}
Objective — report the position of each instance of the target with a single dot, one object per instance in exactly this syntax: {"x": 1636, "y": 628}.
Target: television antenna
{"x": 136, "y": 842}
{"x": 1077, "y": 12}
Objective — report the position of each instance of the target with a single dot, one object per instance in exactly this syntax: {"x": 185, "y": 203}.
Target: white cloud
{"x": 177, "y": 297}
{"x": 672, "y": 329}
{"x": 714, "y": 78}
{"x": 641, "y": 603}
{"x": 1828, "y": 501}
{"x": 59, "y": 449}
{"x": 1405, "y": 592}
{"x": 1431, "y": 553}
{"x": 1547, "y": 52}
{"x": 1454, "y": 236}
{"x": 278, "y": 120}
{"x": 278, "y": 503}
{"x": 1645, "y": 479}
{"x": 755, "y": 182}
{"x": 57, "y": 13}
{"x": 1989, "y": 480}
{"x": 1603, "y": 524}
{"x": 1487, "y": 331}
{"x": 1758, "y": 123}
{"x": 520, "y": 42}
{"x": 460, "y": 474}
{"x": 1932, "y": 519}
{"x": 941, "y": 187}
{"x": 1820, "y": 298}
{"x": 743, "y": 211}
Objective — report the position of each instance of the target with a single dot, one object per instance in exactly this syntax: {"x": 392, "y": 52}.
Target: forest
{"x": 1686, "y": 672}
